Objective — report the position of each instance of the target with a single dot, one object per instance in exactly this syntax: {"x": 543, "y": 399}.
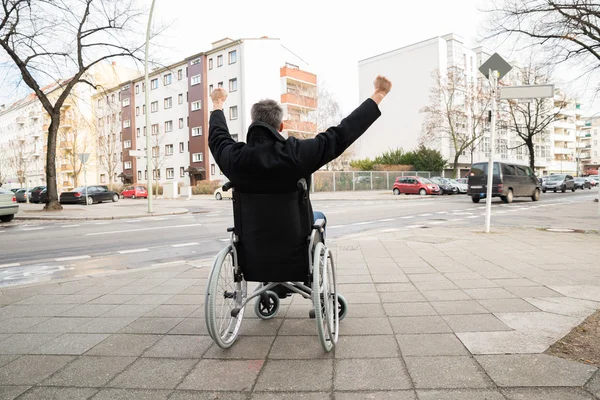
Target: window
{"x": 139, "y": 175}
{"x": 196, "y": 79}
{"x": 143, "y": 86}
{"x": 144, "y": 131}
{"x": 102, "y": 178}
{"x": 220, "y": 85}
{"x": 127, "y": 144}
{"x": 233, "y": 85}
{"x": 210, "y": 63}
{"x": 156, "y": 174}
{"x": 196, "y": 61}
{"x": 137, "y": 110}
{"x": 219, "y": 61}
{"x": 197, "y": 157}
{"x": 210, "y": 89}
{"x": 126, "y": 124}
{"x": 99, "y": 103}
{"x": 137, "y": 89}
{"x": 125, "y": 87}
{"x": 127, "y": 164}
{"x": 197, "y": 105}
{"x": 144, "y": 109}
{"x": 180, "y": 123}
{"x": 180, "y": 98}
{"x": 181, "y": 172}
{"x": 138, "y": 132}
{"x": 126, "y": 102}
{"x": 155, "y": 129}
{"x": 168, "y": 126}
{"x": 154, "y": 84}
{"x": 154, "y": 106}
{"x": 233, "y": 112}
{"x": 167, "y": 79}
{"x": 112, "y": 99}
{"x": 180, "y": 74}
{"x": 170, "y": 173}
{"x": 595, "y": 143}
{"x": 197, "y": 131}
{"x": 169, "y": 149}
{"x": 181, "y": 147}
{"x": 168, "y": 102}
{"x": 232, "y": 57}
{"x": 155, "y": 151}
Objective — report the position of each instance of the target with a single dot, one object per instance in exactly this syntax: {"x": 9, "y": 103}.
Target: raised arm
{"x": 312, "y": 154}
{"x": 219, "y": 139}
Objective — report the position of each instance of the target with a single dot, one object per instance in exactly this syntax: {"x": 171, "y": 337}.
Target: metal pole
{"x": 334, "y": 181}
{"x": 147, "y": 102}
{"x": 490, "y": 173}
{"x": 85, "y": 184}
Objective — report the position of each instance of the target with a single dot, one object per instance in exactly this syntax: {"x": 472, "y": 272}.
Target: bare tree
{"x": 4, "y": 167}
{"x": 18, "y": 159}
{"x": 530, "y": 120}
{"x": 158, "y": 154}
{"x": 109, "y": 146}
{"x": 329, "y": 114}
{"x": 47, "y": 39}
{"x": 301, "y": 118}
{"x": 565, "y": 29}
{"x": 457, "y": 112}
{"x": 74, "y": 141}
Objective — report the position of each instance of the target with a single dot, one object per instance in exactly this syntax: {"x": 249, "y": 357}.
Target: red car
{"x": 134, "y": 192}
{"x": 415, "y": 185}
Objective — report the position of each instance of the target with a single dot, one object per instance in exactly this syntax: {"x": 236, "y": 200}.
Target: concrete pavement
{"x": 434, "y": 313}
{"x": 121, "y": 210}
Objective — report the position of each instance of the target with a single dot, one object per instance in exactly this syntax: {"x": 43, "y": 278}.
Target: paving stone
{"x": 435, "y": 285}
{"x": 395, "y": 278}
{"x": 366, "y": 347}
{"x": 558, "y": 308}
{"x": 258, "y": 327}
{"x": 89, "y": 371}
{"x": 124, "y": 345}
{"x": 445, "y": 295}
{"x": 362, "y": 298}
{"x": 442, "y": 344}
{"x": 446, "y": 372}
{"x": 546, "y": 394}
{"x": 356, "y": 288}
{"x": 7, "y": 335}
{"x": 364, "y": 311}
{"x": 153, "y": 373}
{"x": 180, "y": 346}
{"x": 475, "y": 323}
{"x": 533, "y": 291}
{"x": 23, "y": 343}
{"x": 408, "y": 309}
{"x": 460, "y": 394}
{"x": 489, "y": 293}
{"x": 6, "y": 358}
{"x": 152, "y": 325}
{"x": 11, "y": 392}
{"x": 515, "y": 282}
{"x": 308, "y": 375}
{"x": 38, "y": 310}
{"x": 297, "y": 347}
{"x": 198, "y": 395}
{"x": 371, "y": 374}
{"x": 88, "y": 310}
{"x": 193, "y": 326}
{"x": 507, "y": 305}
{"x": 391, "y": 395}
{"x": 226, "y": 375}
{"x": 354, "y": 279}
{"x": 395, "y": 287}
{"x": 551, "y": 325}
{"x": 297, "y": 327}
{"x": 291, "y": 396}
{"x": 104, "y": 325}
{"x": 71, "y": 343}
{"x": 593, "y": 384}
{"x": 58, "y": 325}
{"x": 428, "y": 278}
{"x": 407, "y": 325}
{"x": 509, "y": 342}
{"x": 54, "y": 393}
{"x": 112, "y": 299}
{"x": 132, "y": 394}
{"x": 475, "y": 283}
{"x": 132, "y": 310}
{"x": 19, "y": 324}
{"x": 196, "y": 299}
{"x": 30, "y": 370}
{"x": 458, "y": 307}
{"x": 399, "y": 297}
{"x": 535, "y": 370}
{"x": 172, "y": 310}
{"x": 360, "y": 326}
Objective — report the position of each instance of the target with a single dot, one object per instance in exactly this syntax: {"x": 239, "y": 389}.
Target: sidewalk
{"x": 123, "y": 209}
{"x": 435, "y": 313}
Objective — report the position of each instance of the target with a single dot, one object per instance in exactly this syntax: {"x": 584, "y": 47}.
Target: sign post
{"x": 83, "y": 157}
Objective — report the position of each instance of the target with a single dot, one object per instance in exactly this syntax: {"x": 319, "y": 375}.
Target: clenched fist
{"x": 218, "y": 97}
{"x": 382, "y": 88}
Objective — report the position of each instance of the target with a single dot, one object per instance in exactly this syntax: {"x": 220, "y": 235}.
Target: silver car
{"x": 8, "y": 205}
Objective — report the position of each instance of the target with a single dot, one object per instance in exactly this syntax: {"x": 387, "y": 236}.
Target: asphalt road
{"x": 46, "y": 250}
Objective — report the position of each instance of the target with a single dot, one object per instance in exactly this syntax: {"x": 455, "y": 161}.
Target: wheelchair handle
{"x": 227, "y": 186}
{"x": 302, "y": 184}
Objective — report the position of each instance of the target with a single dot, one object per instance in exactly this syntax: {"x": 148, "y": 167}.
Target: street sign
{"x": 136, "y": 153}
{"x": 527, "y": 92}
{"x": 495, "y": 63}
{"x": 83, "y": 157}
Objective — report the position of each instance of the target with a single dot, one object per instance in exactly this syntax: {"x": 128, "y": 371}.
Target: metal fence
{"x": 337, "y": 181}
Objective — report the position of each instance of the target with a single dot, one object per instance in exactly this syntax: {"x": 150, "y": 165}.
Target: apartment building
{"x": 180, "y": 107}
{"x": 412, "y": 69}
{"x": 589, "y": 145}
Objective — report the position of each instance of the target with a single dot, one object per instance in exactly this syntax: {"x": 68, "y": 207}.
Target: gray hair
{"x": 268, "y": 112}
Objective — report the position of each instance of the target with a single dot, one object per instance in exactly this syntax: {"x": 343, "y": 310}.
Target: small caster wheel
{"x": 342, "y": 307}
{"x": 267, "y": 305}
{"x": 311, "y": 314}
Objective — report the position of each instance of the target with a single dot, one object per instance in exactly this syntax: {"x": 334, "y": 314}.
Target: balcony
{"x": 36, "y": 134}
{"x": 21, "y": 121}
{"x": 563, "y": 150}
{"x": 34, "y": 116}
{"x": 300, "y": 126}
{"x": 563, "y": 124}
{"x": 563, "y": 138}
{"x": 300, "y": 101}
{"x": 66, "y": 168}
{"x": 64, "y": 145}
{"x": 298, "y": 74}
{"x": 580, "y": 122}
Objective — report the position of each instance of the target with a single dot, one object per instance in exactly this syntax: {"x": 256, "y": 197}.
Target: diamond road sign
{"x": 495, "y": 63}
{"x": 83, "y": 157}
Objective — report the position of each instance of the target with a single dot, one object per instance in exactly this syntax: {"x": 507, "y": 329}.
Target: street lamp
{"x": 147, "y": 101}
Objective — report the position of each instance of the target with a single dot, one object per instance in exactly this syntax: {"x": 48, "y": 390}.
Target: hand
{"x": 382, "y": 88}
{"x": 218, "y": 97}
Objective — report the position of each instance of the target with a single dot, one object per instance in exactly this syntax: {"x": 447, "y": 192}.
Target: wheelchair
{"x": 275, "y": 244}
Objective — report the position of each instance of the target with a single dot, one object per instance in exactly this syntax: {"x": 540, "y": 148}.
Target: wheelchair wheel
{"x": 267, "y": 305}
{"x": 342, "y": 307}
{"x": 224, "y": 296}
{"x": 324, "y": 298}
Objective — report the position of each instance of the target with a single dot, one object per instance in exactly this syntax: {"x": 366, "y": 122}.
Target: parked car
{"x": 461, "y": 186}
{"x": 560, "y": 182}
{"x": 8, "y": 205}
{"x": 220, "y": 194}
{"x": 135, "y": 192}
{"x": 15, "y": 190}
{"x": 509, "y": 181}
{"x": 594, "y": 180}
{"x": 582, "y": 183}
{"x": 35, "y": 194}
{"x": 22, "y": 195}
{"x": 44, "y": 196}
{"x": 95, "y": 194}
{"x": 415, "y": 185}
{"x": 444, "y": 184}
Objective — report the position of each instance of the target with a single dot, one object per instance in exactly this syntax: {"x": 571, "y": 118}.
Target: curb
{"x": 65, "y": 218}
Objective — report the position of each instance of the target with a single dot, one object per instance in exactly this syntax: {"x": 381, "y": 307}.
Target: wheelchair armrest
{"x": 319, "y": 224}
{"x": 230, "y": 229}
{"x": 227, "y": 186}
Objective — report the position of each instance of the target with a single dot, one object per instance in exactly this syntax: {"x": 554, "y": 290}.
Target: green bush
{"x": 428, "y": 160}
{"x": 205, "y": 187}
{"x": 363, "y": 165}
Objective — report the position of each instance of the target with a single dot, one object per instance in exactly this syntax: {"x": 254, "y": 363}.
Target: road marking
{"x": 157, "y": 219}
{"x": 32, "y": 229}
{"x": 474, "y": 216}
{"x": 102, "y": 223}
{"x": 185, "y": 244}
{"x": 72, "y": 258}
{"x": 335, "y": 226}
{"x": 425, "y": 215}
{"x": 389, "y": 230}
{"x": 362, "y": 223}
{"x": 408, "y": 217}
{"x": 133, "y": 220}
{"x": 414, "y": 226}
{"x": 2, "y": 231}
{"x": 499, "y": 212}
{"x": 132, "y": 251}
{"x": 386, "y": 220}
{"x": 10, "y": 265}
{"x": 442, "y": 212}
{"x": 436, "y": 222}
{"x": 70, "y": 226}
{"x": 142, "y": 229}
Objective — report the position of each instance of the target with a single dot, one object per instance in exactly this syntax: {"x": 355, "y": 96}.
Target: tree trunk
{"x": 529, "y": 144}
{"x": 455, "y": 167}
{"x": 52, "y": 190}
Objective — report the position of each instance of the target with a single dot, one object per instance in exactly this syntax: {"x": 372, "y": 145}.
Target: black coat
{"x": 269, "y": 163}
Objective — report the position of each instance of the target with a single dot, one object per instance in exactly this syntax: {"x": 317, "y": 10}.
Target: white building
{"x": 589, "y": 144}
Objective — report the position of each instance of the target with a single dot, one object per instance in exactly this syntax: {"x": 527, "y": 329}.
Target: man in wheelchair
{"x": 276, "y": 232}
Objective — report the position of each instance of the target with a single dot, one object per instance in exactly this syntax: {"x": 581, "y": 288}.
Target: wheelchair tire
{"x": 222, "y": 300}
{"x": 342, "y": 307}
{"x": 323, "y": 299}
{"x": 267, "y": 311}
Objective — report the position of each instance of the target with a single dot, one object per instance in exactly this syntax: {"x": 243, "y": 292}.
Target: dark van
{"x": 510, "y": 181}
